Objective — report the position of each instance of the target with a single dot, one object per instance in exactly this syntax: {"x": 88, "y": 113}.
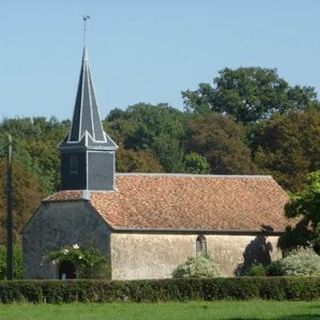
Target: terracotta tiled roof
{"x": 188, "y": 202}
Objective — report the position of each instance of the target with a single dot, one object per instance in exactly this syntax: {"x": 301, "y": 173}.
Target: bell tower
{"x": 87, "y": 153}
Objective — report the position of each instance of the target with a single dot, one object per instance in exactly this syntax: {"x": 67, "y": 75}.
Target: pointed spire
{"x": 86, "y": 116}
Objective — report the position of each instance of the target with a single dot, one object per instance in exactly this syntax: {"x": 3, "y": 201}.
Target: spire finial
{"x": 85, "y": 17}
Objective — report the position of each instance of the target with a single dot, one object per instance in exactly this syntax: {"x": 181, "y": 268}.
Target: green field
{"x": 248, "y": 310}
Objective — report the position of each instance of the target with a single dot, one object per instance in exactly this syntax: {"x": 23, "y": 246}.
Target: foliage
{"x": 35, "y": 147}
{"x": 17, "y": 262}
{"x": 257, "y": 270}
{"x": 275, "y": 269}
{"x": 154, "y": 128}
{"x": 242, "y": 288}
{"x": 306, "y": 206}
{"x": 220, "y": 140}
{"x": 287, "y": 147}
{"x": 301, "y": 262}
{"x": 136, "y": 161}
{"x": 249, "y": 94}
{"x": 196, "y": 267}
{"x": 89, "y": 262}
{"x": 196, "y": 164}
{"x": 27, "y": 195}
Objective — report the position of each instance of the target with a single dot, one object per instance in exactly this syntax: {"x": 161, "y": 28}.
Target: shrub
{"x": 17, "y": 262}
{"x": 301, "y": 262}
{"x": 257, "y": 270}
{"x": 89, "y": 262}
{"x": 242, "y": 288}
{"x": 196, "y": 267}
{"x": 275, "y": 269}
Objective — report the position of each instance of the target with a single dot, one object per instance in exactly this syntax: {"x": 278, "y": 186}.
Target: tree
{"x": 249, "y": 94}
{"x": 136, "y": 161}
{"x": 287, "y": 147}
{"x": 306, "y": 207}
{"x": 157, "y": 129}
{"x": 35, "y": 147}
{"x": 220, "y": 140}
{"x": 27, "y": 195}
{"x": 196, "y": 163}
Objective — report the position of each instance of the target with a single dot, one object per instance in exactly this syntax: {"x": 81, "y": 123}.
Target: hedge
{"x": 244, "y": 288}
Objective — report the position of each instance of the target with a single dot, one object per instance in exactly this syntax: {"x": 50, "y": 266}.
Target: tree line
{"x": 247, "y": 121}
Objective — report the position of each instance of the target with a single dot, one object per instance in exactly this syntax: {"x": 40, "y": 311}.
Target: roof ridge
{"x": 190, "y": 175}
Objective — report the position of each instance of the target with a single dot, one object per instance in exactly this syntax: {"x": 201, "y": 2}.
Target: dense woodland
{"x": 248, "y": 121}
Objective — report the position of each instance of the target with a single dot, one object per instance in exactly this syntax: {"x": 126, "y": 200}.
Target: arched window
{"x": 67, "y": 270}
{"x": 73, "y": 164}
{"x": 201, "y": 245}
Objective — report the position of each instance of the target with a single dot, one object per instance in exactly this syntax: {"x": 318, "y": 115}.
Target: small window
{"x": 73, "y": 165}
{"x": 201, "y": 245}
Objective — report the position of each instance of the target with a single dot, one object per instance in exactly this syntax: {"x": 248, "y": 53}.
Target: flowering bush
{"x": 301, "y": 262}
{"x": 196, "y": 267}
{"x": 89, "y": 262}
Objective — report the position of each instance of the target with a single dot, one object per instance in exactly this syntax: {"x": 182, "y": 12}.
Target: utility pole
{"x": 9, "y": 212}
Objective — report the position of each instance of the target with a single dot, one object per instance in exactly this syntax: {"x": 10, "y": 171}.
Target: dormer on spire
{"x": 87, "y": 152}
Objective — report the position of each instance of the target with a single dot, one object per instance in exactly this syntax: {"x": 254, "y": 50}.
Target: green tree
{"x": 220, "y": 140}
{"x": 196, "y": 163}
{"x": 249, "y": 94}
{"x": 157, "y": 129}
{"x": 27, "y": 195}
{"x": 136, "y": 161}
{"x": 287, "y": 147}
{"x": 305, "y": 208}
{"x": 35, "y": 146}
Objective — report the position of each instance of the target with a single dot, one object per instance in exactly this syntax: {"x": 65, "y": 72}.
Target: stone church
{"x": 147, "y": 224}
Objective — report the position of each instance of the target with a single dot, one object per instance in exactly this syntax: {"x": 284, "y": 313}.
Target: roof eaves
{"x": 193, "y": 231}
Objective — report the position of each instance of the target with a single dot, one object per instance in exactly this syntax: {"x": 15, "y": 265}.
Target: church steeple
{"x": 86, "y": 116}
{"x": 87, "y": 152}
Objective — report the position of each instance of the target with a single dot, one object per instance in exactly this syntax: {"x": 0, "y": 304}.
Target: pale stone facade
{"x": 141, "y": 255}
{"x": 150, "y": 256}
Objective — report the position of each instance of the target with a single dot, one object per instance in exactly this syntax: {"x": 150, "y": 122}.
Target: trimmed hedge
{"x": 244, "y": 288}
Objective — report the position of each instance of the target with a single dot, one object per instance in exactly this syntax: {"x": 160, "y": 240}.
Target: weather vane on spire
{"x": 85, "y": 17}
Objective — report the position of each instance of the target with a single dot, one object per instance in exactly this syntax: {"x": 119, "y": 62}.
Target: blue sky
{"x": 147, "y": 50}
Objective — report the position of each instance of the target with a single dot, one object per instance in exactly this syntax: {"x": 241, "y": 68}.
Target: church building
{"x": 148, "y": 224}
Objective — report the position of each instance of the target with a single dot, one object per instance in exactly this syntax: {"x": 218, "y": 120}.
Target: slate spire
{"x": 86, "y": 116}
{"x": 87, "y": 152}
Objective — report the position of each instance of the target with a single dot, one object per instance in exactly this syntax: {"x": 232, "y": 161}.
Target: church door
{"x": 67, "y": 270}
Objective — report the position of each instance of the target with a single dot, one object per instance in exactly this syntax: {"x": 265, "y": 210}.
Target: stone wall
{"x": 57, "y": 224}
{"x": 134, "y": 255}
{"x": 149, "y": 256}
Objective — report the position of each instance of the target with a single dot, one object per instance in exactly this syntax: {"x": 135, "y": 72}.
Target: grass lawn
{"x": 248, "y": 310}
